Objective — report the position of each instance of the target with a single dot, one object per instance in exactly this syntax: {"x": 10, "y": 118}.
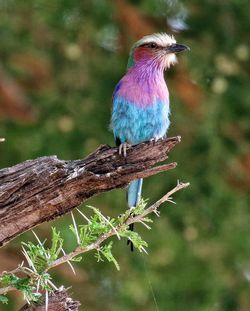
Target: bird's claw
{"x": 123, "y": 149}
{"x": 155, "y": 139}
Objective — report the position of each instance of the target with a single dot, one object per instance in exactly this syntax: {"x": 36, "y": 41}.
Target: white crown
{"x": 161, "y": 39}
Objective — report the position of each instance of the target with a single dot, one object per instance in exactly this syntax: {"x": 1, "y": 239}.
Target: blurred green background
{"x": 59, "y": 63}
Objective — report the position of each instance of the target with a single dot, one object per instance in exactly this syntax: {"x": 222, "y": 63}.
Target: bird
{"x": 140, "y": 103}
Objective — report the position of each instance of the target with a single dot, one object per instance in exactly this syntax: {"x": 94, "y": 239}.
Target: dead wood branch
{"x": 40, "y": 190}
{"x": 58, "y": 301}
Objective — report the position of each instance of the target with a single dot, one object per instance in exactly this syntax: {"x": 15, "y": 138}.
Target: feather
{"x": 141, "y": 99}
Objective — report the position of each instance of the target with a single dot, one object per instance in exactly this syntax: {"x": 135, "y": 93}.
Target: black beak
{"x": 177, "y": 48}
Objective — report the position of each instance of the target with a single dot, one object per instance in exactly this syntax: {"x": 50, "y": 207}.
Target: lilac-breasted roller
{"x": 141, "y": 99}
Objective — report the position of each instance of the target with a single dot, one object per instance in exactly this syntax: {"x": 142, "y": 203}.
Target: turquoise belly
{"x": 135, "y": 124}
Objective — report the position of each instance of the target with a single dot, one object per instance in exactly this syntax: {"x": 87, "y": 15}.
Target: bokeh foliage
{"x": 60, "y": 61}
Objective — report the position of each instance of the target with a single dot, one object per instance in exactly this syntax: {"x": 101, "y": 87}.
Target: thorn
{"x": 69, "y": 263}
{"x": 84, "y": 216}
{"x": 41, "y": 244}
{"x": 46, "y": 300}
{"x": 157, "y": 213}
{"x": 25, "y": 298}
{"x": 30, "y": 263}
{"x": 38, "y": 285}
{"x": 76, "y": 230}
{"x": 105, "y": 219}
{"x": 144, "y": 224}
{"x": 143, "y": 249}
{"x": 52, "y": 284}
{"x": 171, "y": 201}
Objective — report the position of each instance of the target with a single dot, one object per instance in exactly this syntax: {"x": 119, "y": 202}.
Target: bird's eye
{"x": 153, "y": 45}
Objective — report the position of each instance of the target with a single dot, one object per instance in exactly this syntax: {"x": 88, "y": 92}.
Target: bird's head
{"x": 158, "y": 49}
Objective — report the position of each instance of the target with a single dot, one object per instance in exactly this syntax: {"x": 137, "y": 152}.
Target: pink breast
{"x": 143, "y": 92}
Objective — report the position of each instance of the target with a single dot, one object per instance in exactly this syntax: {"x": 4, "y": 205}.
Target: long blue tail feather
{"x": 133, "y": 198}
{"x": 134, "y": 192}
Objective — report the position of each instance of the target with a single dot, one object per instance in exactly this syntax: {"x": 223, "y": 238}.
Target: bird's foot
{"x": 155, "y": 139}
{"x": 123, "y": 149}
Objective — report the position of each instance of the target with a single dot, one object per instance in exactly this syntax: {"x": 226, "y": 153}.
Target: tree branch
{"x": 113, "y": 231}
{"x": 130, "y": 217}
{"x": 40, "y": 190}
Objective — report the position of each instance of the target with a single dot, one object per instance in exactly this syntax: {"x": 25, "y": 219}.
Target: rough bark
{"x": 57, "y": 301}
{"x": 40, "y": 190}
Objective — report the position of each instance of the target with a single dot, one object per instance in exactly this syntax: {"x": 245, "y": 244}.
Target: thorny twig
{"x": 20, "y": 269}
{"x": 130, "y": 220}
{"x": 96, "y": 245}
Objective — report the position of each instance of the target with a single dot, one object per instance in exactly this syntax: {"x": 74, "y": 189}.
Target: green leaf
{"x": 139, "y": 209}
{"x": 3, "y": 299}
{"x": 106, "y": 251}
{"x": 25, "y": 285}
{"x": 98, "y": 256}
{"x": 76, "y": 259}
{"x": 135, "y": 238}
{"x": 56, "y": 245}
{"x": 147, "y": 219}
{"x": 38, "y": 255}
